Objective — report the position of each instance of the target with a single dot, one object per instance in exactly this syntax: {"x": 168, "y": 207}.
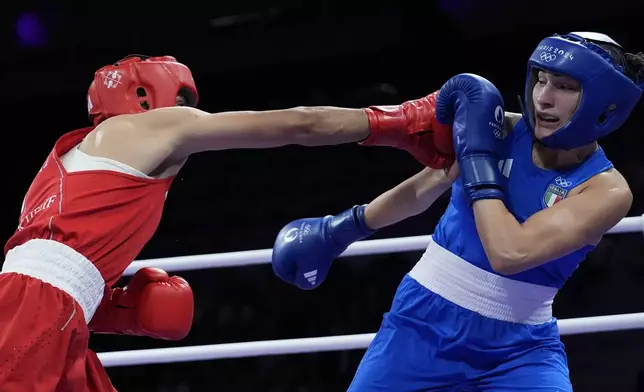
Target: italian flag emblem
{"x": 553, "y": 195}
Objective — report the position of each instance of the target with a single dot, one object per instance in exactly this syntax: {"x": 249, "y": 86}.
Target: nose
{"x": 545, "y": 96}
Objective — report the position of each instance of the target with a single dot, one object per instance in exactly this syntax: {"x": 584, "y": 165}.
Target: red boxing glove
{"x": 153, "y": 304}
{"x": 413, "y": 127}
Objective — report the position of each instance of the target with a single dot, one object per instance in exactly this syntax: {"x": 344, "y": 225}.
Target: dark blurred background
{"x": 265, "y": 55}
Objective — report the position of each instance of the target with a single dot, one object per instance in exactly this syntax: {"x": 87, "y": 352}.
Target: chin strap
{"x": 520, "y": 103}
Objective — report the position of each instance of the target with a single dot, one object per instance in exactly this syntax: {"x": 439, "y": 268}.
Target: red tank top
{"x": 104, "y": 215}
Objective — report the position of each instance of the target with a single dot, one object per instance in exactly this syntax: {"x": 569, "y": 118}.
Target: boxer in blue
{"x": 532, "y": 194}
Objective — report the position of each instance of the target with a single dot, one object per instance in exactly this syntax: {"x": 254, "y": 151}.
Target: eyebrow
{"x": 555, "y": 74}
{"x": 559, "y": 76}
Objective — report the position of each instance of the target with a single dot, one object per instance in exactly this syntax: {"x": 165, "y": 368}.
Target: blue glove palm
{"x": 305, "y": 248}
{"x": 475, "y": 108}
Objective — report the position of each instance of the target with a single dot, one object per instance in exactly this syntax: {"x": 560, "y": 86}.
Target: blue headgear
{"x": 607, "y": 95}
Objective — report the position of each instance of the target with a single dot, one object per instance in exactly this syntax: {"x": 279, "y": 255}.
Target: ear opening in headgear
{"x": 604, "y": 116}
{"x": 140, "y": 93}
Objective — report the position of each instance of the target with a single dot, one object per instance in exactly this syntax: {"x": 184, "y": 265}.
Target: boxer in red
{"x": 99, "y": 196}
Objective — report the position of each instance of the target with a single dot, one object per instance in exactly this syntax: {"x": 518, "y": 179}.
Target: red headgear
{"x": 137, "y": 84}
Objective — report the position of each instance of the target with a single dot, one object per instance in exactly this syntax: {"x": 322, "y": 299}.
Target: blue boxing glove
{"x": 305, "y": 248}
{"x": 475, "y": 108}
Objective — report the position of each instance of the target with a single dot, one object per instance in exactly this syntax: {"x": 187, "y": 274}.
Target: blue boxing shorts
{"x": 455, "y": 327}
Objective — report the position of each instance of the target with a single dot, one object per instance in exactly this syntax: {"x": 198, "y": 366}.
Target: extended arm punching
{"x": 172, "y": 134}
{"x": 407, "y": 126}
{"x": 147, "y": 110}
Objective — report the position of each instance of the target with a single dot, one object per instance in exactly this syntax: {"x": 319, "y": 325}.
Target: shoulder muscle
{"x": 142, "y": 141}
{"x": 610, "y": 195}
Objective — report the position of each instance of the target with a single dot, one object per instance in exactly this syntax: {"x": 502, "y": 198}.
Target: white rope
{"x": 327, "y": 343}
{"x": 360, "y": 248}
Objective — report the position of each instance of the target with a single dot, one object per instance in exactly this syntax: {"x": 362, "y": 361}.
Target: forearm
{"x": 409, "y": 198}
{"x": 502, "y": 236}
{"x": 194, "y": 131}
{"x": 327, "y": 125}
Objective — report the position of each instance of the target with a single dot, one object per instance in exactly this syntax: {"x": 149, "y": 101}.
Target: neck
{"x": 551, "y": 158}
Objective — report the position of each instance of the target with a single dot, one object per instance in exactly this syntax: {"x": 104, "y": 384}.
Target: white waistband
{"x": 60, "y": 266}
{"x": 480, "y": 291}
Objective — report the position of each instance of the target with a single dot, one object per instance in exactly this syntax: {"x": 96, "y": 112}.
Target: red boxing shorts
{"x": 44, "y": 340}
{"x": 43, "y": 329}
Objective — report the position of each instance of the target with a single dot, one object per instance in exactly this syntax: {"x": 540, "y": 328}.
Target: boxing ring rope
{"x": 329, "y": 343}
{"x": 618, "y": 322}
{"x": 630, "y": 224}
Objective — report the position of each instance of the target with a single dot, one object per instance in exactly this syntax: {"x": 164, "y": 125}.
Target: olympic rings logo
{"x": 562, "y": 182}
{"x": 547, "y": 57}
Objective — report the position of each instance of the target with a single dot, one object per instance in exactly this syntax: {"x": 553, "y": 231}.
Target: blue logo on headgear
{"x": 607, "y": 95}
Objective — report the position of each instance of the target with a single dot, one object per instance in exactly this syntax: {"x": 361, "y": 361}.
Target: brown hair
{"x": 633, "y": 64}
{"x": 636, "y": 64}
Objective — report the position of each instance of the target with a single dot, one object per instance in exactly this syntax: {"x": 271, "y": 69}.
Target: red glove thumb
{"x": 442, "y": 133}
{"x": 139, "y": 281}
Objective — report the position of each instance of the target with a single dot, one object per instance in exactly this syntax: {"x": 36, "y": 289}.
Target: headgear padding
{"x": 607, "y": 95}
{"x": 137, "y": 84}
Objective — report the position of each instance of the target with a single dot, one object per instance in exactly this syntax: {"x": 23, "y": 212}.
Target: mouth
{"x": 547, "y": 120}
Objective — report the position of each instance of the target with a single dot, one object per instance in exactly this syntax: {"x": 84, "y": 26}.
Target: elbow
{"x": 501, "y": 265}
{"x": 507, "y": 261}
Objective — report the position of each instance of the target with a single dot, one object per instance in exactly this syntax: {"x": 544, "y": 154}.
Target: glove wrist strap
{"x": 482, "y": 178}
{"x": 358, "y": 215}
{"x": 385, "y": 125}
{"x": 349, "y": 226}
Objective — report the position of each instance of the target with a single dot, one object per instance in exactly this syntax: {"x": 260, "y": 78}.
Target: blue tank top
{"x": 530, "y": 189}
